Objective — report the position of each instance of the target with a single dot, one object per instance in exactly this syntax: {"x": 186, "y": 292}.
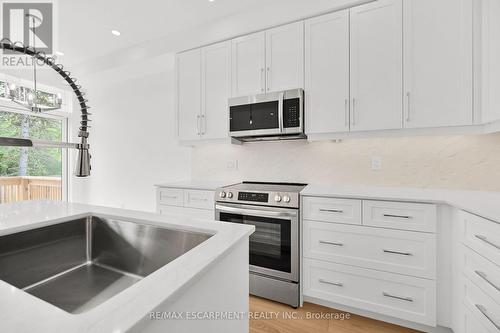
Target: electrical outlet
{"x": 376, "y": 162}
{"x": 232, "y": 165}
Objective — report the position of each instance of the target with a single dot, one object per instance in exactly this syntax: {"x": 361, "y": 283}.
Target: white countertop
{"x": 482, "y": 203}
{"x": 195, "y": 185}
{"x": 21, "y": 312}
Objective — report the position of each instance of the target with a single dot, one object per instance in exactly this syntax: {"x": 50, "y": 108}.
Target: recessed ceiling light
{"x": 211, "y": 0}
{"x": 115, "y": 32}
{"x": 59, "y": 53}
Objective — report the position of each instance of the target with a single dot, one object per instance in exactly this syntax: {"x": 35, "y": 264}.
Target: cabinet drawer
{"x": 199, "y": 199}
{"x": 481, "y": 235}
{"x": 188, "y": 212}
{"x": 483, "y": 273}
{"x": 404, "y": 252}
{"x": 484, "y": 309}
{"x": 390, "y": 294}
{"x": 170, "y": 196}
{"x": 472, "y": 325}
{"x": 400, "y": 215}
{"x": 332, "y": 210}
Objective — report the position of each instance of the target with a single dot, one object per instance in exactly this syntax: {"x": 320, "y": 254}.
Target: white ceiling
{"x": 85, "y": 26}
{"x": 152, "y": 28}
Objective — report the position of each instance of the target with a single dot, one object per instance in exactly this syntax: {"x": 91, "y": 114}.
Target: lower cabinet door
{"x": 398, "y": 296}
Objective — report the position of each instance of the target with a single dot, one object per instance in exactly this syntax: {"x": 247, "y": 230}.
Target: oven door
{"x": 274, "y": 246}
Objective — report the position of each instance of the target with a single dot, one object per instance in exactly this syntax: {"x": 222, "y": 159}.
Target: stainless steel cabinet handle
{"x": 485, "y": 278}
{"x": 353, "y": 111}
{"x": 169, "y": 196}
{"x": 198, "y": 199}
{"x": 267, "y": 78}
{"x": 398, "y": 216}
{"x": 398, "y": 252}
{"x": 346, "y": 108}
{"x": 203, "y": 125}
{"x": 487, "y": 241}
{"x": 338, "y": 284}
{"x": 482, "y": 309}
{"x": 330, "y": 243}
{"x": 331, "y": 210}
{"x": 409, "y": 106}
{"x": 402, "y": 298}
{"x": 198, "y": 125}
{"x": 262, "y": 79}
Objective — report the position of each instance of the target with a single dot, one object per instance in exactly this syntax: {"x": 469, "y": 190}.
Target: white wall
{"x": 454, "y": 162}
{"x": 132, "y": 137}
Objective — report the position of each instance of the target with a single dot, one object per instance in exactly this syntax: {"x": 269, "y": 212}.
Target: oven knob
{"x": 222, "y": 194}
{"x": 277, "y": 198}
{"x": 286, "y": 198}
{"x": 230, "y": 195}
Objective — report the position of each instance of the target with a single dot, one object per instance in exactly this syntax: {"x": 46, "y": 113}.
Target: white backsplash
{"x": 454, "y": 162}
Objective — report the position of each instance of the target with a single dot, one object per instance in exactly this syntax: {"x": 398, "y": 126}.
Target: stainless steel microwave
{"x": 272, "y": 116}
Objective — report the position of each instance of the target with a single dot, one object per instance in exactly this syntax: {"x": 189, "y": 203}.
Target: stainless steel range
{"x": 273, "y": 208}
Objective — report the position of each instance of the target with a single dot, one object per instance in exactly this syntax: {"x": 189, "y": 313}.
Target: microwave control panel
{"x": 291, "y": 113}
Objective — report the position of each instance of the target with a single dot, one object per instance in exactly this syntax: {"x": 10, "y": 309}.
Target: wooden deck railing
{"x": 14, "y": 189}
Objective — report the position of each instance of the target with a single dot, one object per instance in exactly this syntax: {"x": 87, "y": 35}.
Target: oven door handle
{"x": 255, "y": 212}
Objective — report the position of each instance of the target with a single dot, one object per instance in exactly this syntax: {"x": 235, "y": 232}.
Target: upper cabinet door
{"x": 327, "y": 73}
{"x": 285, "y": 57}
{"x": 376, "y": 66}
{"x": 438, "y": 63}
{"x": 216, "y": 89}
{"x": 189, "y": 94}
{"x": 248, "y": 63}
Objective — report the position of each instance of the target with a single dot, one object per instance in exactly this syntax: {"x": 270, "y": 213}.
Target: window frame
{"x": 62, "y": 115}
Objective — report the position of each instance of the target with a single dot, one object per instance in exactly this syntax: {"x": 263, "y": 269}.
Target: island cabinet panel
{"x": 376, "y": 66}
{"x": 327, "y": 73}
{"x": 438, "y": 63}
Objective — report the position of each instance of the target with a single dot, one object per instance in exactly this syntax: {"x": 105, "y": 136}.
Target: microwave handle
{"x": 280, "y": 110}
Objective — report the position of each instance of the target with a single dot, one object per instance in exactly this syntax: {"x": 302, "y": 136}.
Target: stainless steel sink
{"x": 79, "y": 264}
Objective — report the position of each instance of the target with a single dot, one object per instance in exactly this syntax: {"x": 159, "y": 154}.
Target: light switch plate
{"x": 376, "y": 162}
{"x": 232, "y": 165}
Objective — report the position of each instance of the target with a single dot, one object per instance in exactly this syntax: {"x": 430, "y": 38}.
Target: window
{"x": 31, "y": 173}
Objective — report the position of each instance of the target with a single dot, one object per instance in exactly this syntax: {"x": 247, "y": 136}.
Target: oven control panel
{"x": 252, "y": 196}
{"x": 278, "y": 199}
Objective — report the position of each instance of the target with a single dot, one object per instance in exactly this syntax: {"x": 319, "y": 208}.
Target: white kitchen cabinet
{"x": 438, "y": 64}
{"x": 376, "y": 66}
{"x": 285, "y": 57}
{"x": 395, "y": 295}
{"x": 215, "y": 90}
{"x": 271, "y": 60}
{"x": 203, "y": 88}
{"x": 189, "y": 94}
{"x": 188, "y": 202}
{"x": 327, "y": 73}
{"x": 248, "y": 64}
